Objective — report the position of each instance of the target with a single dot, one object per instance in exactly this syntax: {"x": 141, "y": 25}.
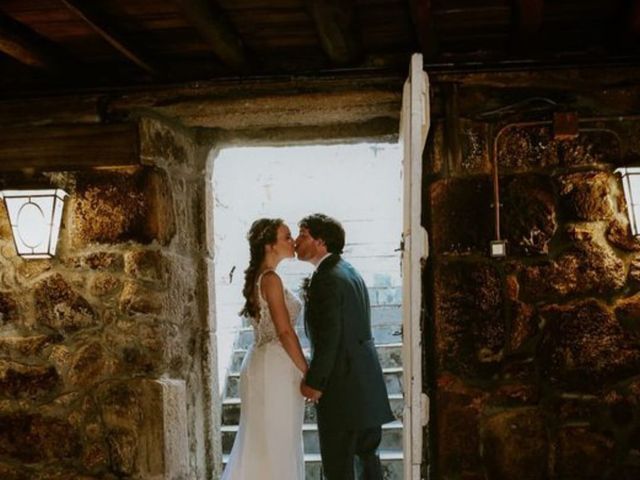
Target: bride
{"x": 268, "y": 445}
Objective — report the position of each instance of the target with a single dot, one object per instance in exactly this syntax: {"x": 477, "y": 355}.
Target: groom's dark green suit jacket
{"x": 344, "y": 361}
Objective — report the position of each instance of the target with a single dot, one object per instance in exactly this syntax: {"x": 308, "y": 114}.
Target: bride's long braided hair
{"x": 263, "y": 232}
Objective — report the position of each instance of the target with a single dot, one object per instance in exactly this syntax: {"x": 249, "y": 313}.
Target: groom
{"x": 344, "y": 377}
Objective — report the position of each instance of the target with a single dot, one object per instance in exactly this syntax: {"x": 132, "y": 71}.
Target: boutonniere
{"x": 306, "y": 283}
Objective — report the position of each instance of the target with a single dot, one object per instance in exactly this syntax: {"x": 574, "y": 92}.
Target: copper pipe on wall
{"x": 539, "y": 123}
{"x": 494, "y": 164}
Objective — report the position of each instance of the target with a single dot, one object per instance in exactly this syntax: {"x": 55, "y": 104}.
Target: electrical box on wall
{"x": 498, "y": 248}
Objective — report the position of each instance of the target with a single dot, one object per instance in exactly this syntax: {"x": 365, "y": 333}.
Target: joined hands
{"x": 309, "y": 394}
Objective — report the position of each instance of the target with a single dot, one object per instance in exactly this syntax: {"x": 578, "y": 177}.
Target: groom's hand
{"x": 309, "y": 393}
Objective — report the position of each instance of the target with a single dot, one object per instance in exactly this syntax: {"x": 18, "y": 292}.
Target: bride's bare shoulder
{"x": 271, "y": 283}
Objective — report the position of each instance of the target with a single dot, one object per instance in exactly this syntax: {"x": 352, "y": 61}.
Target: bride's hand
{"x": 309, "y": 393}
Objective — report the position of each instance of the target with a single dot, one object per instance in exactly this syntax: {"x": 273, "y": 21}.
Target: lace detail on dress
{"x": 264, "y": 330}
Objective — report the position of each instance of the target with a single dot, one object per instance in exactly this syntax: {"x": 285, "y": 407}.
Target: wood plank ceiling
{"x": 61, "y": 45}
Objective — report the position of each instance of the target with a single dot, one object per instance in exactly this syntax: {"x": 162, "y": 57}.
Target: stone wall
{"x": 534, "y": 359}
{"x": 105, "y": 350}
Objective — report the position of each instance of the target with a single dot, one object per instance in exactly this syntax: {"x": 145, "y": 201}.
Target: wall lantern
{"x": 35, "y": 217}
{"x": 631, "y": 184}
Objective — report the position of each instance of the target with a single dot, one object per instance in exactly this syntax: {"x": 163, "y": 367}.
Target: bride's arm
{"x": 273, "y": 293}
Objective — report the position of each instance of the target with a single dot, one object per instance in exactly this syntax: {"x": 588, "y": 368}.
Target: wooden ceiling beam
{"x": 209, "y": 20}
{"x": 68, "y": 147}
{"x": 337, "y": 28}
{"x": 527, "y": 20}
{"x": 28, "y": 47}
{"x": 91, "y": 16}
{"x": 422, "y": 18}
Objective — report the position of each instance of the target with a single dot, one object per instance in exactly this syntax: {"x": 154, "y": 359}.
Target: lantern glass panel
{"x": 55, "y": 224}
{"x": 636, "y": 219}
{"x": 631, "y": 185}
{"x": 634, "y": 185}
{"x": 35, "y": 217}
{"x": 33, "y": 226}
{"x": 13, "y": 208}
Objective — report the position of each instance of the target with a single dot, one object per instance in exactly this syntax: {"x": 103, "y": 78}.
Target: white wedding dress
{"x": 268, "y": 445}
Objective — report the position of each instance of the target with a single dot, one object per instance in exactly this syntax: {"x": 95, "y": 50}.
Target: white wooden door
{"x": 414, "y": 127}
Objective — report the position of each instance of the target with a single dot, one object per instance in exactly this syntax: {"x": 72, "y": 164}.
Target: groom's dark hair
{"x": 323, "y": 227}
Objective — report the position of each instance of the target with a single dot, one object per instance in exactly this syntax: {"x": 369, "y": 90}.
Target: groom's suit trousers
{"x": 345, "y": 452}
